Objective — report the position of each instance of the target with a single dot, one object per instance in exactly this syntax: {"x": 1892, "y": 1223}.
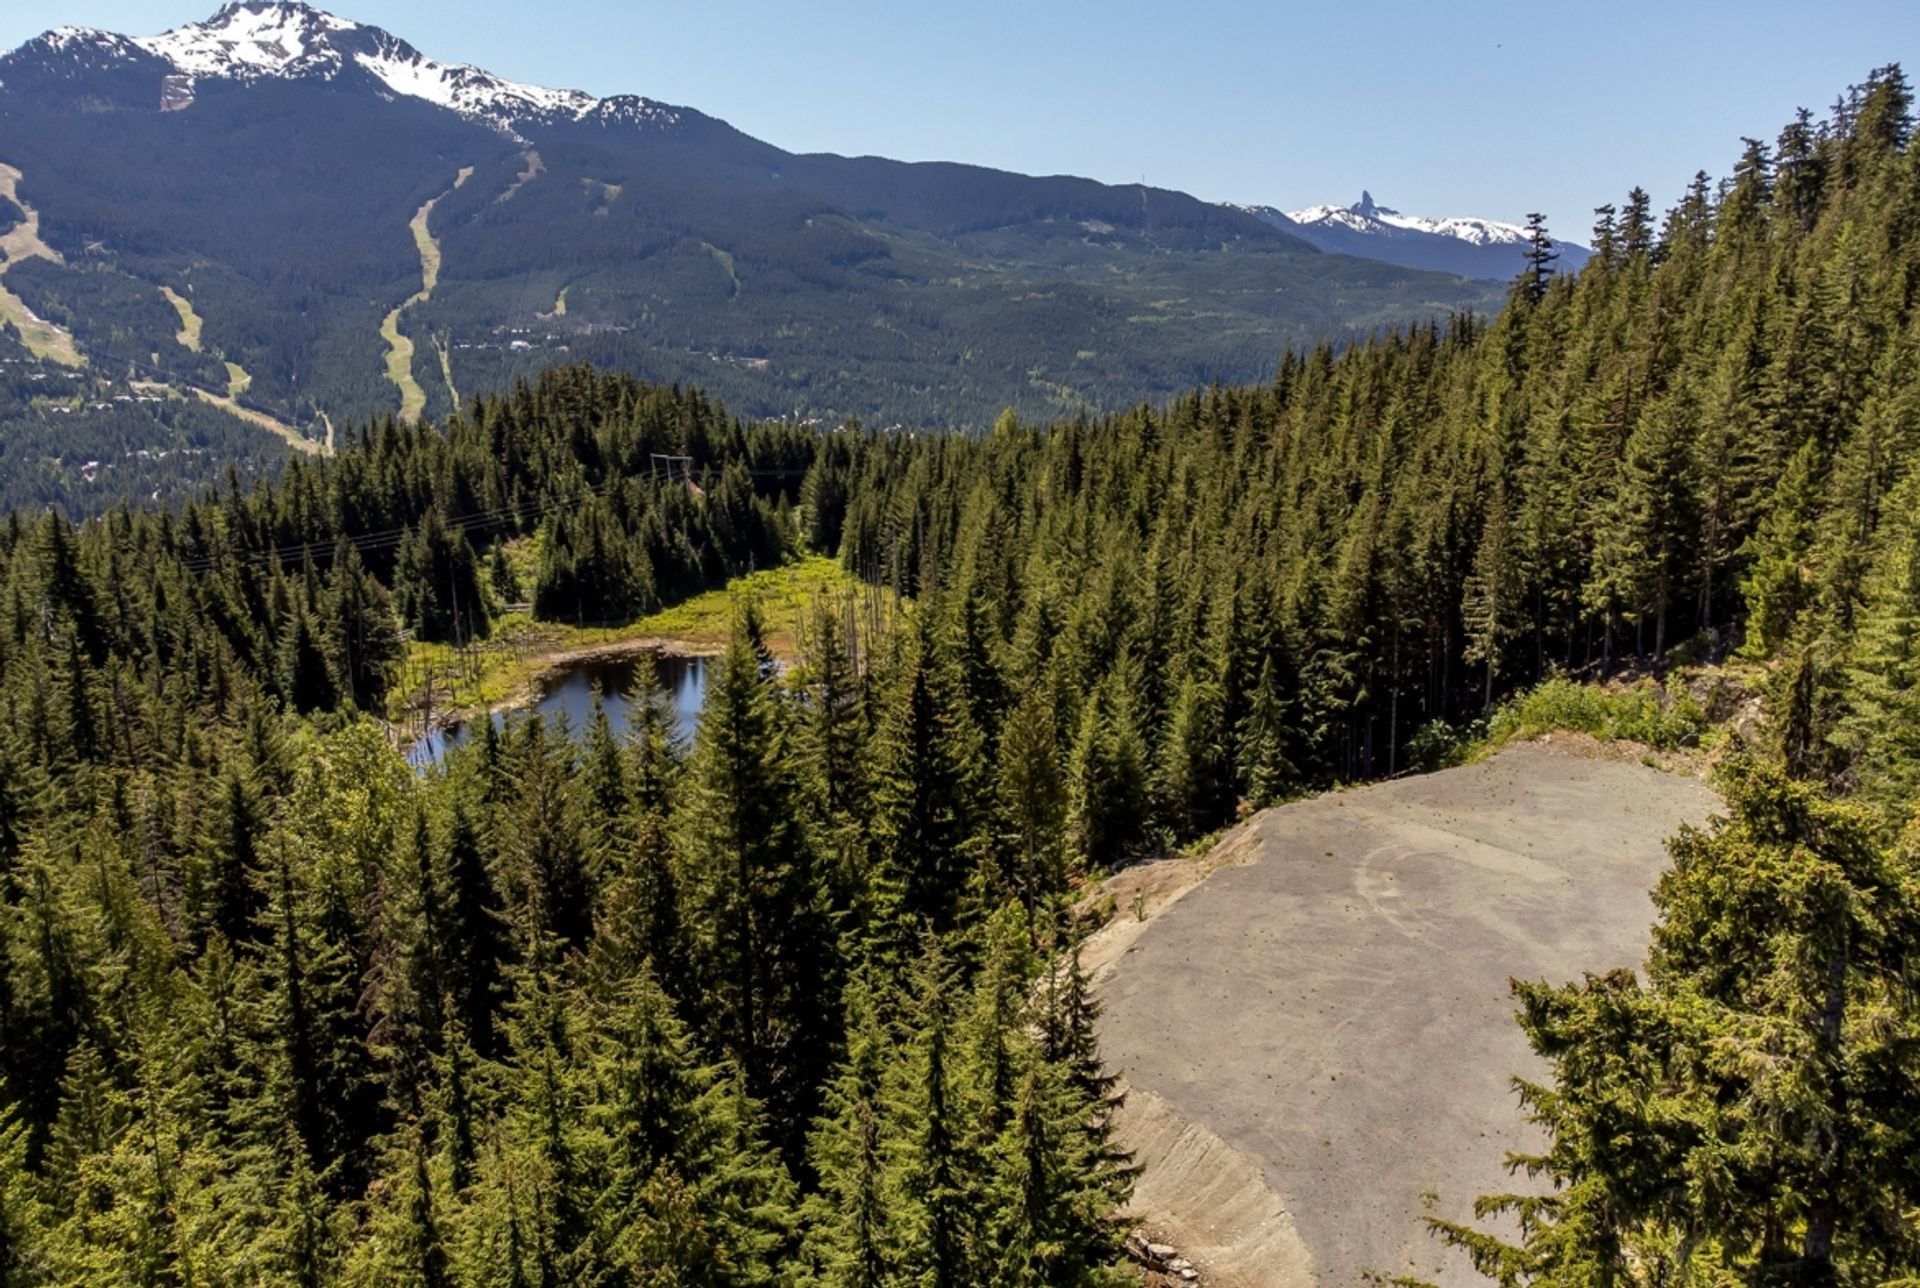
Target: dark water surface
{"x": 570, "y": 693}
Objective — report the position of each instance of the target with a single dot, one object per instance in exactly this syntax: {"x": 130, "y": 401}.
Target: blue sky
{"x": 1439, "y": 108}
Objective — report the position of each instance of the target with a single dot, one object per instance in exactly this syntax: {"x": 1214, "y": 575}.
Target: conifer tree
{"x": 477, "y": 946}
{"x": 1262, "y": 736}
{"x": 603, "y": 783}
{"x": 303, "y": 673}
{"x": 361, "y": 637}
{"x": 23, "y": 1214}
{"x": 1881, "y": 729}
{"x": 546, "y": 850}
{"x": 831, "y": 737}
{"x": 1107, "y": 774}
{"x": 690, "y": 1189}
{"x": 1776, "y": 586}
{"x": 1540, "y": 256}
{"x": 851, "y": 1237}
{"x": 501, "y": 578}
{"x": 924, "y": 812}
{"x": 228, "y": 897}
{"x": 939, "y": 1212}
{"x": 1195, "y": 781}
{"x": 753, "y": 901}
{"x": 437, "y": 584}
{"x": 639, "y": 922}
{"x": 1033, "y": 800}
{"x": 1490, "y": 611}
{"x": 406, "y": 1244}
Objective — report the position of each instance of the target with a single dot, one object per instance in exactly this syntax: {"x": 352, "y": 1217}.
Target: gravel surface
{"x": 1335, "y": 1007}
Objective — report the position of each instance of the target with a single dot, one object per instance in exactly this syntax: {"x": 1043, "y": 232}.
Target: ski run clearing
{"x": 413, "y": 399}
{"x": 21, "y": 242}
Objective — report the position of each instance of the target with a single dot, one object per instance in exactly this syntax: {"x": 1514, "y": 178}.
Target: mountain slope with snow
{"x": 1471, "y": 247}
{"x": 252, "y": 40}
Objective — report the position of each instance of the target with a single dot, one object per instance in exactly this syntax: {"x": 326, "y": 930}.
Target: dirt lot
{"x": 1318, "y": 1035}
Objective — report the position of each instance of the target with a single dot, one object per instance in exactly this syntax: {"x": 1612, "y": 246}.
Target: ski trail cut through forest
{"x": 252, "y": 416}
{"x": 413, "y": 399}
{"x": 239, "y": 381}
{"x": 22, "y": 242}
{"x": 534, "y": 168}
{"x": 191, "y": 323}
{"x": 446, "y": 371}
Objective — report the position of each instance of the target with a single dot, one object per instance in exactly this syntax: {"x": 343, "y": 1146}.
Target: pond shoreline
{"x": 547, "y": 668}
{"x": 552, "y": 666}
{"x": 441, "y": 688}
{"x": 572, "y": 690}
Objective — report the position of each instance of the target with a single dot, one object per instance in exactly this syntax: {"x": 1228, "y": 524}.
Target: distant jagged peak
{"x": 1368, "y": 216}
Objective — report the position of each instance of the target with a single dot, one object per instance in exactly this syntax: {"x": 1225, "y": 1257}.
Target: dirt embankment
{"x": 1319, "y": 1036}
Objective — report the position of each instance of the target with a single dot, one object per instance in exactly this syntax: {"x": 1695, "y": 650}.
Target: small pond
{"x": 570, "y": 693}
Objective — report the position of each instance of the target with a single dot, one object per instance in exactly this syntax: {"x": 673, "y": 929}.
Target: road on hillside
{"x": 1319, "y": 1039}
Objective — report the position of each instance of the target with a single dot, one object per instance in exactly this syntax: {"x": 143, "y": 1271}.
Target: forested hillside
{"x": 795, "y": 1004}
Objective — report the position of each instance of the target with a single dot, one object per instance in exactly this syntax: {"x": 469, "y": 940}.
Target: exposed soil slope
{"x": 1328, "y": 1011}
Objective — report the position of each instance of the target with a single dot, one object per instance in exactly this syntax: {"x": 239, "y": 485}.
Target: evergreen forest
{"x": 799, "y": 1002}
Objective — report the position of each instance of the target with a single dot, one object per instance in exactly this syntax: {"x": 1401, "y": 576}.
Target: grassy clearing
{"x": 190, "y": 322}
{"x": 1663, "y": 718}
{"x": 238, "y": 380}
{"x": 43, "y": 339}
{"x": 725, "y": 261}
{"x": 293, "y": 437}
{"x": 507, "y": 668}
{"x": 1644, "y": 712}
{"x": 428, "y": 247}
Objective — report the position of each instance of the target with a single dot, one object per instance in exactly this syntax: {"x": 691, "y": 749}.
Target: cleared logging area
{"x": 1319, "y": 1037}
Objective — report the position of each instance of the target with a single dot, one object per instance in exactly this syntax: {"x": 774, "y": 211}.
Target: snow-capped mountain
{"x": 254, "y": 40}
{"x": 356, "y": 227}
{"x": 1471, "y": 247}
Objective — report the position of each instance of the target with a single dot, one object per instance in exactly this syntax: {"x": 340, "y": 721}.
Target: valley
{"x": 589, "y": 699}
{"x": 820, "y": 287}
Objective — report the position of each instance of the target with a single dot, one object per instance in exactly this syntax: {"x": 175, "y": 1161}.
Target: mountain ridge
{"x": 267, "y": 165}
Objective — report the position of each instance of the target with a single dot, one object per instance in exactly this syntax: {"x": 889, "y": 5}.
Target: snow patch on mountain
{"x": 252, "y": 40}
{"x": 1367, "y": 216}
{"x": 472, "y": 92}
